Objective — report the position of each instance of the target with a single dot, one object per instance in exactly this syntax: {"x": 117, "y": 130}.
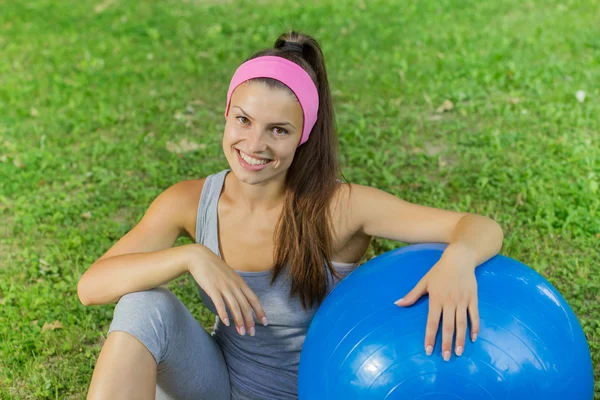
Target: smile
{"x": 251, "y": 163}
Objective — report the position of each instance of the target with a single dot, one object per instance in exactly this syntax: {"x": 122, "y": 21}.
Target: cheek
{"x": 232, "y": 133}
{"x": 288, "y": 154}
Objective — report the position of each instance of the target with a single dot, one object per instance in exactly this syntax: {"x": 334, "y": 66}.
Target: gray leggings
{"x": 190, "y": 363}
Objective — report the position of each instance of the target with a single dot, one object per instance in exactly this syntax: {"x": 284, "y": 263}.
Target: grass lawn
{"x": 465, "y": 105}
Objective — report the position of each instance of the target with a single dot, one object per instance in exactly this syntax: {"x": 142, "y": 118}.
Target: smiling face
{"x": 262, "y": 130}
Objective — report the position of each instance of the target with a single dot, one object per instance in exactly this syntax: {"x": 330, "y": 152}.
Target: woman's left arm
{"x": 451, "y": 284}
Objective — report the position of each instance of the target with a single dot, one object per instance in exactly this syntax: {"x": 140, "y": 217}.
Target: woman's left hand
{"x": 452, "y": 289}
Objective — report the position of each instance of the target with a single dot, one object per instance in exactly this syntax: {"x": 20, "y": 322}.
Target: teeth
{"x": 253, "y": 161}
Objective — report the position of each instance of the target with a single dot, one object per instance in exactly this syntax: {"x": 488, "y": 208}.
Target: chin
{"x": 256, "y": 178}
{"x": 245, "y": 177}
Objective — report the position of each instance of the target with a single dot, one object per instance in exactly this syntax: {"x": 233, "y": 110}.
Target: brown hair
{"x": 303, "y": 236}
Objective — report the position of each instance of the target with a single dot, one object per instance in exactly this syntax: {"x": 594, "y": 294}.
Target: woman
{"x": 272, "y": 236}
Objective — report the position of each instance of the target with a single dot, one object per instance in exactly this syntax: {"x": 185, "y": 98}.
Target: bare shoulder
{"x": 342, "y": 208}
{"x": 346, "y": 197}
{"x": 350, "y": 243}
{"x": 186, "y": 195}
{"x": 168, "y": 218}
{"x": 181, "y": 200}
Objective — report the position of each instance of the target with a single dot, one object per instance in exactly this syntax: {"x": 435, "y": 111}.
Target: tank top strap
{"x": 206, "y": 219}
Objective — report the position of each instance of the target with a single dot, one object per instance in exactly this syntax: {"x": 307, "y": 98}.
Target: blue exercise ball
{"x": 362, "y": 346}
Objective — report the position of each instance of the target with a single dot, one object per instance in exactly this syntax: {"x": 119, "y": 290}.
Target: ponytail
{"x": 303, "y": 235}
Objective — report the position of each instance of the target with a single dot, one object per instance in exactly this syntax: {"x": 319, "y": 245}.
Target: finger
{"x": 433, "y": 321}
{"x": 219, "y": 306}
{"x": 461, "y": 328}
{"x": 448, "y": 330}
{"x": 412, "y": 296}
{"x": 234, "y": 307}
{"x": 246, "y": 312}
{"x": 474, "y": 316}
{"x": 255, "y": 303}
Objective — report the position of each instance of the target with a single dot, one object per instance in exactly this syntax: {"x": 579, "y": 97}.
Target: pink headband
{"x": 287, "y": 72}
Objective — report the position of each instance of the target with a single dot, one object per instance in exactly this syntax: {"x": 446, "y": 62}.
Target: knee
{"x": 151, "y": 316}
{"x": 154, "y": 304}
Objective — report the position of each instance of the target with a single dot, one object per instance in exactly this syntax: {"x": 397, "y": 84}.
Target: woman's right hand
{"x": 220, "y": 281}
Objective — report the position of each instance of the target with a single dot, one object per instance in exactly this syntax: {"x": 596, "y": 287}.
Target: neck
{"x": 257, "y": 198}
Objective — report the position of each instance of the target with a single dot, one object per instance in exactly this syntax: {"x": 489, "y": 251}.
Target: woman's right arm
{"x": 145, "y": 257}
{"x": 109, "y": 279}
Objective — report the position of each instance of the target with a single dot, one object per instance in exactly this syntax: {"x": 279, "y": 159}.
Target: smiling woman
{"x": 273, "y": 236}
{"x": 253, "y": 134}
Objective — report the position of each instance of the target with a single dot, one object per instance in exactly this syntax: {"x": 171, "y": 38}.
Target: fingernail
{"x": 264, "y": 321}
{"x": 459, "y": 351}
{"x": 474, "y": 338}
{"x": 397, "y": 302}
{"x": 242, "y": 331}
{"x": 446, "y": 355}
{"x": 226, "y": 321}
{"x": 429, "y": 350}
{"x": 252, "y": 331}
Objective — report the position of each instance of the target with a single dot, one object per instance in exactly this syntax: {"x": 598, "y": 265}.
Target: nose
{"x": 256, "y": 141}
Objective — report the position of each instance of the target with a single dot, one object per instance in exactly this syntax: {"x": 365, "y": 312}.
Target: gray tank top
{"x": 265, "y": 365}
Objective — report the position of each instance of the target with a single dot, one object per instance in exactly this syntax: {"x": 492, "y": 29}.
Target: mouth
{"x": 252, "y": 163}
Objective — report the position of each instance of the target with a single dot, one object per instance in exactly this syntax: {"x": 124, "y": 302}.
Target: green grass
{"x": 93, "y": 95}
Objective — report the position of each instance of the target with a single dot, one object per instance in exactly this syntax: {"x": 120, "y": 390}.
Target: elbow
{"x": 493, "y": 231}
{"x": 90, "y": 295}
{"x": 501, "y": 237}
{"x": 498, "y": 233}
{"x": 501, "y": 231}
{"x": 82, "y": 293}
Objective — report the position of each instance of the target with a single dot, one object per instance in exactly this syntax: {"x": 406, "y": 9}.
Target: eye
{"x": 281, "y": 131}
{"x": 244, "y": 121}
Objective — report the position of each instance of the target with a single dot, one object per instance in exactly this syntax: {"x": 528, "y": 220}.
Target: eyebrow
{"x": 274, "y": 123}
